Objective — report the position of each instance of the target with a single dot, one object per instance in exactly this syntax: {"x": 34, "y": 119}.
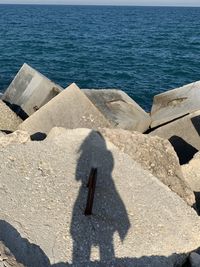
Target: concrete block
{"x": 136, "y": 221}
{"x": 70, "y": 109}
{"x": 119, "y": 109}
{"x": 29, "y": 91}
{"x": 184, "y": 135}
{"x": 175, "y": 103}
{"x": 155, "y": 155}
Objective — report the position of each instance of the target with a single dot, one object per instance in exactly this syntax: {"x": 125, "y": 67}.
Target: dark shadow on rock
{"x": 26, "y": 253}
{"x": 6, "y": 131}
{"x": 31, "y": 255}
{"x": 38, "y": 136}
{"x": 109, "y": 212}
{"x": 196, "y": 206}
{"x": 184, "y": 151}
{"x": 196, "y": 122}
{"x": 18, "y": 110}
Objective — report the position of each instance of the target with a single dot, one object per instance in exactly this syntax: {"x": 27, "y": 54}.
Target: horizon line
{"x": 111, "y": 5}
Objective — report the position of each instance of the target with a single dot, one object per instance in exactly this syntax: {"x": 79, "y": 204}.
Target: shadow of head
{"x": 94, "y": 154}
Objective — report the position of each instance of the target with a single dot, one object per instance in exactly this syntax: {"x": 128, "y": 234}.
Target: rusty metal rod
{"x": 91, "y": 191}
{"x": 92, "y": 172}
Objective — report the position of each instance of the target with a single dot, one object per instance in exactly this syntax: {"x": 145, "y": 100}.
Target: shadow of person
{"x": 109, "y": 213}
{"x": 31, "y": 255}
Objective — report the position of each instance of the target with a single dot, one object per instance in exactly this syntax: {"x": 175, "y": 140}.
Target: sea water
{"x": 141, "y": 50}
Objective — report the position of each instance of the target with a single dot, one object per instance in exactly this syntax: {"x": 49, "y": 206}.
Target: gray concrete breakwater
{"x": 147, "y": 195}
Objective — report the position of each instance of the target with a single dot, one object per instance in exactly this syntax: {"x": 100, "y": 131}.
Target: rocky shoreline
{"x": 147, "y": 196}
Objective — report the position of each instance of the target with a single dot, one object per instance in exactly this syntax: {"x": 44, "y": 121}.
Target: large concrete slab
{"x": 29, "y": 91}
{"x": 156, "y": 155}
{"x": 120, "y": 110}
{"x": 136, "y": 221}
{"x": 175, "y": 103}
{"x": 70, "y": 109}
{"x": 184, "y": 135}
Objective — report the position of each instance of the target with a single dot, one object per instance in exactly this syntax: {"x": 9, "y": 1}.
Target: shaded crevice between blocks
{"x": 17, "y": 110}
{"x": 184, "y": 150}
{"x": 196, "y": 123}
{"x": 159, "y": 126}
{"x": 196, "y": 206}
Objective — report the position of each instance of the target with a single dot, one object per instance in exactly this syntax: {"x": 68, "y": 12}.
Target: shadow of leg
{"x": 81, "y": 252}
{"x": 106, "y": 248}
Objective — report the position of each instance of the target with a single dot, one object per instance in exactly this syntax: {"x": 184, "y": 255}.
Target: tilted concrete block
{"x": 29, "y": 91}
{"x": 74, "y": 108}
{"x": 155, "y": 155}
{"x": 175, "y": 103}
{"x": 184, "y": 135}
{"x": 70, "y": 109}
{"x": 119, "y": 109}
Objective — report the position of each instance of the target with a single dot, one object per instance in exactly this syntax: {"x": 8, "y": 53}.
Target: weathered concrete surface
{"x": 120, "y": 110}
{"x": 70, "y": 109}
{"x": 17, "y": 137}
{"x": 2, "y": 133}
{"x": 184, "y": 134}
{"x": 6, "y": 258}
{"x": 43, "y": 197}
{"x": 175, "y": 103}
{"x": 191, "y": 171}
{"x": 92, "y": 109}
{"x": 154, "y": 154}
{"x": 9, "y": 121}
{"x": 30, "y": 90}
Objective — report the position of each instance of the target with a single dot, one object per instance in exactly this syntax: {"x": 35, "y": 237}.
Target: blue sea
{"x": 141, "y": 50}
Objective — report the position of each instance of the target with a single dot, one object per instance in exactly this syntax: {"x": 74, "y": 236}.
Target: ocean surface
{"x": 141, "y": 50}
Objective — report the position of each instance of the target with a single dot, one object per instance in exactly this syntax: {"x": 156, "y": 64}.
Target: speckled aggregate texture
{"x": 9, "y": 121}
{"x": 136, "y": 221}
{"x": 154, "y": 154}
